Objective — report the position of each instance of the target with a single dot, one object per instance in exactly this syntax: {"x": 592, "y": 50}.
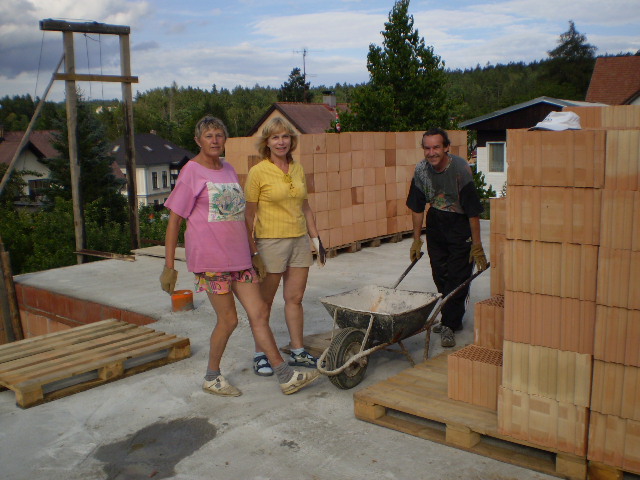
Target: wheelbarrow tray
{"x": 397, "y": 314}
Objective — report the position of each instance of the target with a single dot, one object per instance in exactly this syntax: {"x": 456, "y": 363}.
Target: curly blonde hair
{"x": 273, "y": 126}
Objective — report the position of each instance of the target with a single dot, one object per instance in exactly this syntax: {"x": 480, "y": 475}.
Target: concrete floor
{"x": 159, "y": 424}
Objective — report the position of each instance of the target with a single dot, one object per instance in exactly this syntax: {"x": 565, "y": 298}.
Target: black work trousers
{"x": 448, "y": 245}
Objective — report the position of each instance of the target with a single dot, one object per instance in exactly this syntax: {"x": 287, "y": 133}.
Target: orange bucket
{"x": 182, "y": 300}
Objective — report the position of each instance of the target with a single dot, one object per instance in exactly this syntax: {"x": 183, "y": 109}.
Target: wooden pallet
{"x": 369, "y": 242}
{"x": 47, "y": 367}
{"x": 415, "y": 402}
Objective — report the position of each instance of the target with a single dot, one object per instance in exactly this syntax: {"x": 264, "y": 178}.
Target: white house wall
{"x": 28, "y": 161}
{"x": 495, "y": 179}
{"x": 147, "y": 195}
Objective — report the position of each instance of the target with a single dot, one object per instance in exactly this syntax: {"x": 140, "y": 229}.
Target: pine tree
{"x": 295, "y": 89}
{"x": 406, "y": 88}
{"x": 568, "y": 71}
{"x": 97, "y": 180}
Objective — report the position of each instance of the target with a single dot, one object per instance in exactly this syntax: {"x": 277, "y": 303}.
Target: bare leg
{"x": 258, "y": 312}
{"x": 227, "y": 320}
{"x": 295, "y": 283}
{"x": 268, "y": 288}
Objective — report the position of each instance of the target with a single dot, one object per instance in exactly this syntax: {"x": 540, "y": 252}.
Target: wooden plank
{"x": 415, "y": 402}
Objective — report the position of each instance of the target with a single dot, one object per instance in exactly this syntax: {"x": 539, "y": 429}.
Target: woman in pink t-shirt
{"x": 207, "y": 194}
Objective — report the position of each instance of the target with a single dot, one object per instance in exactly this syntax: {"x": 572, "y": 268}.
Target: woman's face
{"x": 211, "y": 142}
{"x": 279, "y": 144}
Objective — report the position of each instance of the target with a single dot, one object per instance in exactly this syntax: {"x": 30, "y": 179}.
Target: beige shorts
{"x": 280, "y": 253}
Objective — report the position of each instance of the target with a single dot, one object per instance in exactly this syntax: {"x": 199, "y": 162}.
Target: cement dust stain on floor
{"x": 154, "y": 451}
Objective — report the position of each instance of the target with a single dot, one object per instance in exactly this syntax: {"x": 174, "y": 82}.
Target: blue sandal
{"x": 261, "y": 366}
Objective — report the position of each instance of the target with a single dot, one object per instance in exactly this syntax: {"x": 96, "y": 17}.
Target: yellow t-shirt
{"x": 279, "y": 197}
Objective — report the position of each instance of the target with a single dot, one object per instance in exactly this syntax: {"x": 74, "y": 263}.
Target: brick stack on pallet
{"x": 565, "y": 253}
{"x": 357, "y": 181}
{"x": 554, "y": 192}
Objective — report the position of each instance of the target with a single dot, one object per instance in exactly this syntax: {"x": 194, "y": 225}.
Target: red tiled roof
{"x": 306, "y": 117}
{"x": 615, "y": 80}
{"x": 39, "y": 142}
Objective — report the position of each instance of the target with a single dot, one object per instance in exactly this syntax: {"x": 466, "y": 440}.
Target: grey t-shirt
{"x": 451, "y": 190}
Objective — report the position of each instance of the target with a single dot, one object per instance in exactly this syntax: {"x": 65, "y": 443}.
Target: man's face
{"x": 435, "y": 152}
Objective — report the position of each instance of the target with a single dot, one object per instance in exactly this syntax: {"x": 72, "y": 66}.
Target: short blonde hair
{"x": 209, "y": 122}
{"x": 273, "y": 126}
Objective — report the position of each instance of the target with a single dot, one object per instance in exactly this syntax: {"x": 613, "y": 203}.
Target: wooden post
{"x": 72, "y": 127}
{"x": 9, "y": 309}
{"x": 129, "y": 143}
{"x": 70, "y": 78}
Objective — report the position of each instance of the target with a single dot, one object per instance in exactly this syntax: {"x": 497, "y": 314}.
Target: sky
{"x": 200, "y": 43}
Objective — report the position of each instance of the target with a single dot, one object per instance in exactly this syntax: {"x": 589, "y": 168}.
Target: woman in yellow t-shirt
{"x": 278, "y": 215}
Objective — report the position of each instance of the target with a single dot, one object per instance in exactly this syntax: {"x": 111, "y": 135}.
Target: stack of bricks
{"x": 554, "y": 196}
{"x": 572, "y": 288}
{"x": 614, "y": 434}
{"x": 357, "y": 181}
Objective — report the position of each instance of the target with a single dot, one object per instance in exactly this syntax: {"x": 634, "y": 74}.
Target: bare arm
{"x": 417, "y": 219}
{"x": 311, "y": 221}
{"x": 171, "y": 239}
{"x": 250, "y": 211}
{"x": 474, "y": 223}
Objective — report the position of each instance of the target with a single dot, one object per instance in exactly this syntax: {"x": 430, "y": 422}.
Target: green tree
{"x": 406, "y": 88}
{"x": 97, "y": 180}
{"x": 296, "y": 89}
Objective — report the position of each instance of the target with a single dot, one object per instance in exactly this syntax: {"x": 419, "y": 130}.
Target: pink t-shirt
{"x": 213, "y": 204}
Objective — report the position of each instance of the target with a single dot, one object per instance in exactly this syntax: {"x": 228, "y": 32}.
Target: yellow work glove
{"x": 477, "y": 255}
{"x": 258, "y": 266}
{"x": 416, "y": 248}
{"x": 320, "y": 251}
{"x": 168, "y": 279}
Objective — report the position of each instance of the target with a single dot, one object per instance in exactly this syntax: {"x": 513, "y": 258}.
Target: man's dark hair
{"x": 438, "y": 131}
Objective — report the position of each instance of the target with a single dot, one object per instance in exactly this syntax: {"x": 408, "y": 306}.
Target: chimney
{"x": 329, "y": 98}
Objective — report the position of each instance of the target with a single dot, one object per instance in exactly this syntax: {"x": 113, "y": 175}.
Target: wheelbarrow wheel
{"x": 344, "y": 346}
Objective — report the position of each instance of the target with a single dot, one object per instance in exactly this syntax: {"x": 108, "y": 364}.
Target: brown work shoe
{"x": 447, "y": 337}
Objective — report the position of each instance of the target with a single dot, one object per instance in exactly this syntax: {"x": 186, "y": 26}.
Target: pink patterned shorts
{"x": 220, "y": 282}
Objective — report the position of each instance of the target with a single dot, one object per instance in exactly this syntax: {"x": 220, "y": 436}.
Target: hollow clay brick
{"x": 562, "y": 159}
{"x": 619, "y": 278}
{"x": 489, "y": 322}
{"x": 622, "y": 171}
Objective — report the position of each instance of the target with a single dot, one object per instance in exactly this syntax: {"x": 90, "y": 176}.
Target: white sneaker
{"x": 220, "y": 386}
{"x": 299, "y": 380}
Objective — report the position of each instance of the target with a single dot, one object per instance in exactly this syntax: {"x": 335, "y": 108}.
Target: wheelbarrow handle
{"x": 404, "y": 274}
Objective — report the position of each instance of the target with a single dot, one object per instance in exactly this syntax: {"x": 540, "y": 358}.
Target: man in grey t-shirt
{"x": 445, "y": 182}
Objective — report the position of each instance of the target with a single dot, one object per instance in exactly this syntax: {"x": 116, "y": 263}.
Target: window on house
{"x": 154, "y": 179}
{"x": 165, "y": 181}
{"x": 496, "y": 154}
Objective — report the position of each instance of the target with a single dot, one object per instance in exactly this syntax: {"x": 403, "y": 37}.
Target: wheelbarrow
{"x": 372, "y": 318}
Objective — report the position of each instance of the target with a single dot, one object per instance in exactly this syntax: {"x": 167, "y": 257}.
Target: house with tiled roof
{"x": 304, "y": 117}
{"x": 615, "y": 81}
{"x": 158, "y": 163}
{"x": 37, "y": 148}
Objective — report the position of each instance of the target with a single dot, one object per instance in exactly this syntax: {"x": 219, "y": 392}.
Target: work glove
{"x": 322, "y": 253}
{"x": 168, "y": 279}
{"x": 477, "y": 255}
{"x": 258, "y": 266}
{"x": 416, "y": 248}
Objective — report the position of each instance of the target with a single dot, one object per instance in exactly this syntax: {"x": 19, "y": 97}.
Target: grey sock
{"x": 284, "y": 372}
{"x": 297, "y": 351}
{"x": 211, "y": 375}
